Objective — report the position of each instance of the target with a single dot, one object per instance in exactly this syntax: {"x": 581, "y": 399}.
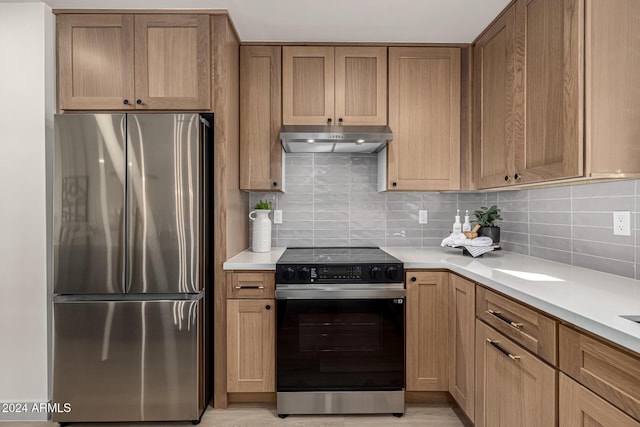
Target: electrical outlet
{"x": 277, "y": 216}
{"x": 422, "y": 217}
{"x": 622, "y": 223}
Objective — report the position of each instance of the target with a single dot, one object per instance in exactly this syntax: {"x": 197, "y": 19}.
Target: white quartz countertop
{"x": 586, "y": 298}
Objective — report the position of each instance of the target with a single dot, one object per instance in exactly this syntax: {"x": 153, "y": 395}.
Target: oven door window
{"x": 340, "y": 345}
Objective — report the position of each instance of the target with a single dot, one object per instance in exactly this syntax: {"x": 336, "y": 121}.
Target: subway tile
{"x": 550, "y": 218}
{"x": 331, "y": 234}
{"x": 508, "y": 236}
{"x": 550, "y": 254}
{"x": 403, "y": 242}
{"x": 604, "y": 204}
{"x": 447, "y": 216}
{"x": 518, "y": 227}
{"x": 288, "y": 216}
{"x": 554, "y": 205}
{"x": 435, "y": 233}
{"x": 331, "y": 225}
{"x": 296, "y": 225}
{"x": 357, "y": 187}
{"x": 403, "y": 197}
{"x": 370, "y": 159}
{"x": 514, "y": 206}
{"x": 515, "y": 216}
{"x": 296, "y": 207}
{"x": 299, "y": 188}
{"x": 593, "y": 219}
{"x": 607, "y": 265}
{"x": 558, "y": 243}
{"x": 368, "y": 225}
{"x": 366, "y": 206}
{"x": 468, "y": 206}
{"x": 292, "y": 243}
{"x": 331, "y": 198}
{"x": 404, "y": 206}
{"x": 296, "y": 198}
{"x": 330, "y": 242}
{"x": 515, "y": 247}
{"x": 433, "y": 206}
{"x": 480, "y": 198}
{"x": 604, "y": 189}
{"x": 492, "y": 198}
{"x": 403, "y": 215}
{"x": 330, "y": 170}
{"x": 550, "y": 230}
{"x": 405, "y": 224}
{"x": 605, "y": 250}
{"x": 429, "y": 242}
{"x": 297, "y": 170}
{"x": 330, "y": 207}
{"x": 331, "y": 216}
{"x": 550, "y": 193}
{"x": 343, "y": 189}
{"x": 295, "y": 234}
{"x": 367, "y": 234}
{"x": 364, "y": 170}
{"x": 364, "y": 179}
{"x": 402, "y": 233}
{"x": 368, "y": 215}
{"x": 509, "y": 196}
{"x": 366, "y": 197}
{"x": 367, "y": 242}
{"x": 601, "y": 234}
{"x": 302, "y": 160}
{"x": 331, "y": 159}
{"x": 331, "y": 179}
{"x": 440, "y": 197}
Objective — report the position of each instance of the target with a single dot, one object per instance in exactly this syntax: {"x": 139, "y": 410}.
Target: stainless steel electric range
{"x": 340, "y": 331}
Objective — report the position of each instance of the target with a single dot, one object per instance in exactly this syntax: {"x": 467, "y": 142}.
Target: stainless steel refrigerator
{"x": 132, "y": 239}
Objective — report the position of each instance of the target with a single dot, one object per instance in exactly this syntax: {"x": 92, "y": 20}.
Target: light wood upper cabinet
{"x": 128, "y": 61}
{"x": 424, "y": 115}
{"x": 95, "y": 62}
{"x": 549, "y": 104}
{"x": 581, "y": 408}
{"x": 327, "y": 85}
{"x": 462, "y": 309}
{"x": 513, "y": 387}
{"x": 260, "y": 118}
{"x": 172, "y": 62}
{"x": 494, "y": 131}
{"x": 427, "y": 333}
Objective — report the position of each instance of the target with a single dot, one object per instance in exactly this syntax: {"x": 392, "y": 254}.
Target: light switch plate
{"x": 622, "y": 223}
{"x": 277, "y": 216}
{"x": 422, "y": 217}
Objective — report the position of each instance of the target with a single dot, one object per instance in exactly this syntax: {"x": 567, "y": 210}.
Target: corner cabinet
{"x": 334, "y": 85}
{"x": 260, "y": 118}
{"x": 427, "y": 334}
{"x": 424, "y": 115}
{"x": 133, "y": 61}
{"x": 251, "y": 332}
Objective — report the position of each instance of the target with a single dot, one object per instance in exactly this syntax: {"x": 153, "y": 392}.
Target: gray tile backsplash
{"x": 574, "y": 225}
{"x": 331, "y": 200}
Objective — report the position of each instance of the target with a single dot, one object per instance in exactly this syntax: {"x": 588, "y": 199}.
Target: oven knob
{"x": 392, "y": 273}
{"x": 303, "y": 273}
{"x": 375, "y": 273}
{"x": 288, "y": 273}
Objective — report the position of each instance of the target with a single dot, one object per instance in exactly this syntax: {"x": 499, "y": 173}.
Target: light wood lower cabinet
{"x": 513, "y": 387}
{"x": 462, "y": 342}
{"x": 251, "y": 325}
{"x": 427, "y": 334}
{"x": 580, "y": 407}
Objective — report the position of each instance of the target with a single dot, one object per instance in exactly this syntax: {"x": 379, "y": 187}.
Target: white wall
{"x": 26, "y": 115}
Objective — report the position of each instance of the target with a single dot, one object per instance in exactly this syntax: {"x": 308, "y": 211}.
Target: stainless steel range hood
{"x": 334, "y": 139}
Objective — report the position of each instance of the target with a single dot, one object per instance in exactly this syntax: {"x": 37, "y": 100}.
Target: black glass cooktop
{"x": 336, "y": 255}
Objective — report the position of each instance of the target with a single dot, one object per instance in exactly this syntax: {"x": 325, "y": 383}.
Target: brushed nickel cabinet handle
{"x": 505, "y": 319}
{"x": 502, "y": 350}
{"x": 250, "y": 287}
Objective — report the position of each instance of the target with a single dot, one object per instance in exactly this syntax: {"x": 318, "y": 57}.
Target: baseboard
{"x": 252, "y": 397}
{"x": 428, "y": 397}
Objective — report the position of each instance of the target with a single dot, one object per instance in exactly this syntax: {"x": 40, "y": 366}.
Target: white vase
{"x": 261, "y": 237}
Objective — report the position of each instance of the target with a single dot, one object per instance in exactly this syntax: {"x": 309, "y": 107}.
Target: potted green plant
{"x": 486, "y": 218}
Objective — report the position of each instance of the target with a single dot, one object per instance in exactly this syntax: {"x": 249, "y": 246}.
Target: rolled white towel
{"x": 454, "y": 240}
{"x": 479, "y": 241}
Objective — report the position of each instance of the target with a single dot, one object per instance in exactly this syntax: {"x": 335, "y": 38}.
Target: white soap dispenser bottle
{"x": 466, "y": 226}
{"x": 457, "y": 226}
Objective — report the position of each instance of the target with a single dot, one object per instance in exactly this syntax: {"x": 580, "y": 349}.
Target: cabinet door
{"x": 462, "y": 310}
{"x": 172, "y": 62}
{"x": 427, "y": 342}
{"x": 95, "y": 62}
{"x": 493, "y": 104}
{"x": 424, "y": 115}
{"x": 581, "y": 408}
{"x": 361, "y": 85}
{"x": 307, "y": 85}
{"x": 260, "y": 118}
{"x": 513, "y": 387}
{"x": 549, "y": 101}
{"x": 251, "y": 338}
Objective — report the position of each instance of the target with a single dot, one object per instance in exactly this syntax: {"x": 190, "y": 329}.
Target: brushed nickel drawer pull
{"x": 505, "y": 319}
{"x": 250, "y": 287}
{"x": 502, "y": 350}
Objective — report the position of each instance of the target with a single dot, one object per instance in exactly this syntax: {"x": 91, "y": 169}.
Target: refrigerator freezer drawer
{"x": 128, "y": 360}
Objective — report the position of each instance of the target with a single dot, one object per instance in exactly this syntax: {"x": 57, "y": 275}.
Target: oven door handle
{"x": 340, "y": 293}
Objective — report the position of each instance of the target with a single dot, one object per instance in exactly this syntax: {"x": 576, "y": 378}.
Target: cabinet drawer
{"x": 256, "y": 284}
{"x": 607, "y": 371}
{"x": 529, "y": 328}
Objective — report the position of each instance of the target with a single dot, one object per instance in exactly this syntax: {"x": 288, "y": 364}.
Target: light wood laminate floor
{"x": 254, "y": 415}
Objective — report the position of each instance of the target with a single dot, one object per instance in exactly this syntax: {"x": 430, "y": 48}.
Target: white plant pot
{"x": 261, "y": 237}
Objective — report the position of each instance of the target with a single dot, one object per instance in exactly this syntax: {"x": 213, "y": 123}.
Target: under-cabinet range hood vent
{"x": 334, "y": 139}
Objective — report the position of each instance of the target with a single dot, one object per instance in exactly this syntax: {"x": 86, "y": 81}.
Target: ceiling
{"x": 426, "y": 21}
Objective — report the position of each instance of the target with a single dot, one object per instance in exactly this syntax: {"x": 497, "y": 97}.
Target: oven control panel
{"x": 337, "y": 273}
